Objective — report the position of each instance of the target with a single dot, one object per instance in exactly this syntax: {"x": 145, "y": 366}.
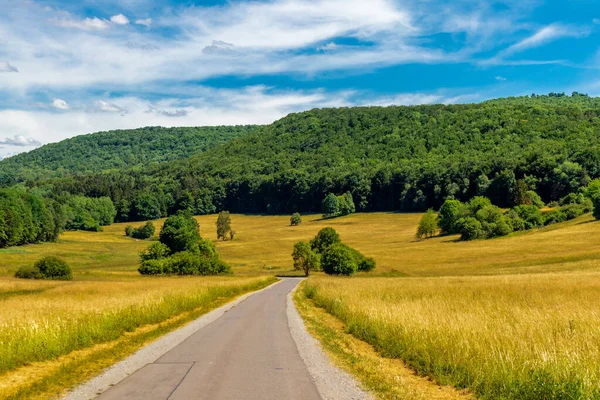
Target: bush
{"x": 534, "y": 199}
{"x": 428, "y": 226}
{"x": 90, "y": 225}
{"x": 223, "y": 225}
{"x": 531, "y": 216}
{"x": 554, "y": 217}
{"x": 180, "y": 233}
{"x": 151, "y": 267}
{"x": 367, "y": 264}
{"x": 156, "y": 251}
{"x": 450, "y": 213}
{"x": 325, "y": 238}
{"x": 28, "y": 272}
{"x": 295, "y": 219}
{"x": 338, "y": 259}
{"x": 514, "y": 220}
{"x": 129, "y": 230}
{"x": 54, "y": 268}
{"x": 470, "y": 228}
{"x": 144, "y": 232}
{"x": 572, "y": 198}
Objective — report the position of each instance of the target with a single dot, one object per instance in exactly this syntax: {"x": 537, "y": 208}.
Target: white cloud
{"x": 500, "y": 78}
{"x": 119, "y": 19}
{"x": 596, "y": 21}
{"x": 6, "y": 67}
{"x": 543, "y": 36}
{"x": 106, "y": 107}
{"x": 21, "y": 141}
{"x": 85, "y": 24}
{"x": 60, "y": 104}
{"x": 146, "y": 22}
{"x": 328, "y": 46}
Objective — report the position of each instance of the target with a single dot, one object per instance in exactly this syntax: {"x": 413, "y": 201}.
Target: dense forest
{"x": 113, "y": 150}
{"x": 398, "y": 158}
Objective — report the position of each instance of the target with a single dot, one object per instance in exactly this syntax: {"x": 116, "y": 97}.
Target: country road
{"x": 248, "y": 353}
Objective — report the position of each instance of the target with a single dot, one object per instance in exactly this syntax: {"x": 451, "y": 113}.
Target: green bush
{"x": 428, "y": 226}
{"x": 531, "y": 216}
{"x": 450, "y": 212}
{"x": 145, "y": 231}
{"x": 554, "y": 217}
{"x": 90, "y": 225}
{"x": 325, "y": 238}
{"x": 367, "y": 264}
{"x": 534, "y": 199}
{"x": 151, "y": 267}
{"x": 338, "y": 259}
{"x": 514, "y": 220}
{"x": 156, "y": 251}
{"x": 29, "y": 272}
{"x": 470, "y": 228}
{"x": 180, "y": 233}
{"x": 54, "y": 268}
{"x": 129, "y": 230}
{"x": 295, "y": 219}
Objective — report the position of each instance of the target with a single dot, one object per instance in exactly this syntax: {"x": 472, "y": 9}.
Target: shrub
{"x": 129, "y": 230}
{"x": 514, "y": 220}
{"x": 449, "y": 214}
{"x": 156, "y": 251}
{"x": 346, "y": 204}
{"x": 531, "y": 215}
{"x": 144, "y": 232}
{"x": 206, "y": 248}
{"x": 180, "y": 233}
{"x": 367, "y": 264}
{"x": 428, "y": 226}
{"x": 90, "y": 225}
{"x": 592, "y": 190}
{"x": 338, "y": 259}
{"x": 331, "y": 206}
{"x": 572, "y": 198}
{"x": 151, "y": 267}
{"x": 534, "y": 199}
{"x": 54, "y": 268}
{"x": 477, "y": 203}
{"x": 325, "y": 238}
{"x": 554, "y": 217}
{"x": 470, "y": 228}
{"x": 573, "y": 211}
{"x": 28, "y": 272}
{"x": 295, "y": 219}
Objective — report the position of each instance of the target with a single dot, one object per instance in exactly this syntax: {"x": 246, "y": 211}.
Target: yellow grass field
{"x": 531, "y": 299}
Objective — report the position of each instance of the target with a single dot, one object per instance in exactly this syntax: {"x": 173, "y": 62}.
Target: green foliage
{"x": 331, "y": 206}
{"x": 428, "y": 226}
{"x": 129, "y": 230}
{"x": 470, "y": 228}
{"x": 295, "y": 219}
{"x": 533, "y": 198}
{"x": 450, "y": 212}
{"x": 592, "y": 190}
{"x": 338, "y": 259}
{"x": 122, "y": 149}
{"x": 28, "y": 272}
{"x": 346, "y": 204}
{"x": 325, "y": 238}
{"x": 531, "y": 216}
{"x": 180, "y": 232}
{"x": 596, "y": 211}
{"x": 156, "y": 251}
{"x": 89, "y": 214}
{"x": 146, "y": 206}
{"x": 305, "y": 259}
{"x": 145, "y": 231}
{"x": 54, "y": 268}
{"x": 185, "y": 263}
{"x": 223, "y": 225}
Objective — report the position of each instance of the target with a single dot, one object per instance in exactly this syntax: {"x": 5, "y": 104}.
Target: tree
{"x": 346, "y": 204}
{"x": 428, "y": 225}
{"x": 596, "y": 211}
{"x": 223, "y": 225}
{"x": 592, "y": 190}
{"x": 305, "y": 259}
{"x": 331, "y": 206}
{"x": 180, "y": 232}
{"x": 295, "y": 219}
{"x": 145, "y": 231}
{"x": 449, "y": 214}
{"x": 470, "y": 228}
{"x": 520, "y": 196}
{"x": 338, "y": 259}
{"x": 325, "y": 238}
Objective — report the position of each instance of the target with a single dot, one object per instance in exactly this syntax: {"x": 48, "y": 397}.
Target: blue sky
{"x": 69, "y": 68}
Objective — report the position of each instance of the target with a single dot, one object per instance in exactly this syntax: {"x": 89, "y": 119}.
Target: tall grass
{"x": 503, "y": 337}
{"x": 62, "y": 317}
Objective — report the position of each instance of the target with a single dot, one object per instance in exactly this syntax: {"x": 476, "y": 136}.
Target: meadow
{"x": 502, "y": 317}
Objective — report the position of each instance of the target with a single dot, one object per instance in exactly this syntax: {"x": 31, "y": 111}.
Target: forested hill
{"x": 113, "y": 150}
{"x": 389, "y": 158}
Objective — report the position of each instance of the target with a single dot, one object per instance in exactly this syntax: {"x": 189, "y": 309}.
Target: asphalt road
{"x": 248, "y": 353}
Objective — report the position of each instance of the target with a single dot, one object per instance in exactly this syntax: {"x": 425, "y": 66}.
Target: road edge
{"x": 332, "y": 383}
{"x": 152, "y": 352}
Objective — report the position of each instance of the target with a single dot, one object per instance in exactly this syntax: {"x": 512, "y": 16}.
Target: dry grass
{"x": 503, "y": 337}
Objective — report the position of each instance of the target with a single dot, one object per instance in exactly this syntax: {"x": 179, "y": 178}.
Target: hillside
{"x": 112, "y": 150}
{"x": 390, "y": 158}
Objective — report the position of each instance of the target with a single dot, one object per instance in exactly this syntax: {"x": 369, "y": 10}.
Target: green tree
{"x": 428, "y": 226}
{"x": 305, "y": 259}
{"x": 295, "y": 219}
{"x": 346, "y": 204}
{"x": 450, "y": 212}
{"x": 470, "y": 228}
{"x": 223, "y": 225}
{"x": 338, "y": 259}
{"x": 592, "y": 190}
{"x": 180, "y": 233}
{"x": 325, "y": 238}
{"x": 331, "y": 206}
